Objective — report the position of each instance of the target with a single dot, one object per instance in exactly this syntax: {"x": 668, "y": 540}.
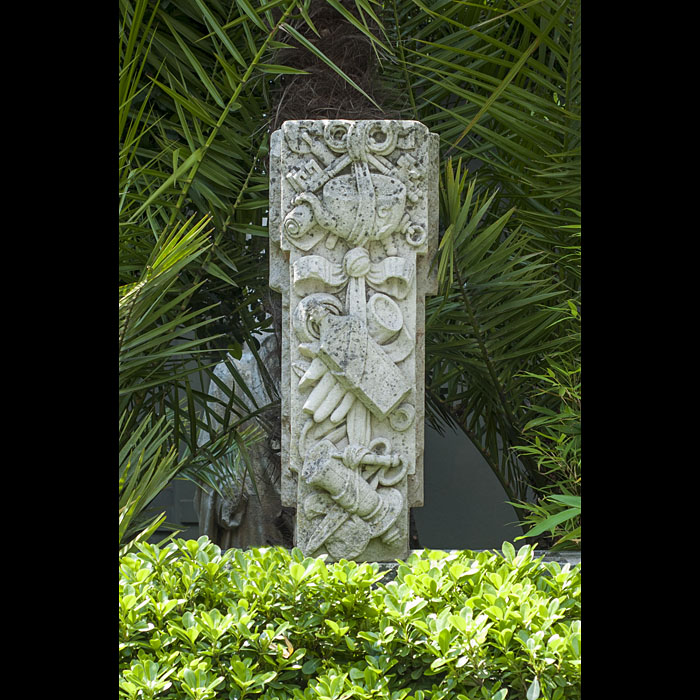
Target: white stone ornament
{"x": 353, "y": 232}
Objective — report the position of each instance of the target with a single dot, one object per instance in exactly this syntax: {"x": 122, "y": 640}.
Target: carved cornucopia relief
{"x": 351, "y": 226}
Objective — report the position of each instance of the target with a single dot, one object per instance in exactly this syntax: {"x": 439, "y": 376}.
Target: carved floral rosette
{"x": 353, "y": 230}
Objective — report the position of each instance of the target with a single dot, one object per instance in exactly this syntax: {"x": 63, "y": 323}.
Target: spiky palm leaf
{"x": 499, "y": 80}
{"x": 191, "y": 193}
{"x": 490, "y": 322}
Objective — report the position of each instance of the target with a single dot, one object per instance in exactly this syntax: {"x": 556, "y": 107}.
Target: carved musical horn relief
{"x": 353, "y": 212}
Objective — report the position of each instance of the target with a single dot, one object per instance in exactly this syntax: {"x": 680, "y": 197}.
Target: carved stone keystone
{"x": 353, "y": 232}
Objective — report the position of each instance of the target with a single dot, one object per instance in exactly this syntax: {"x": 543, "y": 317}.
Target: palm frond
{"x": 492, "y": 320}
{"x": 192, "y": 202}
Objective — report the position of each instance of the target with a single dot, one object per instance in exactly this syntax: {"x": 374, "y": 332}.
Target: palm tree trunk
{"x": 323, "y": 93}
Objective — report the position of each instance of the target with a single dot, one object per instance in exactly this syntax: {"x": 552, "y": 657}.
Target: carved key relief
{"x": 353, "y": 217}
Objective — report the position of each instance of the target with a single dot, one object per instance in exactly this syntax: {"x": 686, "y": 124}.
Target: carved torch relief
{"x": 353, "y": 227}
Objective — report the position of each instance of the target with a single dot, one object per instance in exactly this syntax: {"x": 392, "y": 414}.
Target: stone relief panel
{"x": 353, "y": 230}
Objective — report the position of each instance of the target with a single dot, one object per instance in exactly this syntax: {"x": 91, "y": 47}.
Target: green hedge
{"x": 269, "y": 623}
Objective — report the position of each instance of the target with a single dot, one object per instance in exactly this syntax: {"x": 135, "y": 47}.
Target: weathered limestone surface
{"x": 353, "y": 233}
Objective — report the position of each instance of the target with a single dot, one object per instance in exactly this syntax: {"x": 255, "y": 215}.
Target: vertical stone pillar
{"x": 353, "y": 232}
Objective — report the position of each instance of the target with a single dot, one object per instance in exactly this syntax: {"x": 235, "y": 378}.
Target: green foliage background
{"x": 498, "y": 80}
{"x": 270, "y": 623}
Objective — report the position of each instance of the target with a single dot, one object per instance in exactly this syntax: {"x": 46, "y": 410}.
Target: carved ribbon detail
{"x": 392, "y": 275}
